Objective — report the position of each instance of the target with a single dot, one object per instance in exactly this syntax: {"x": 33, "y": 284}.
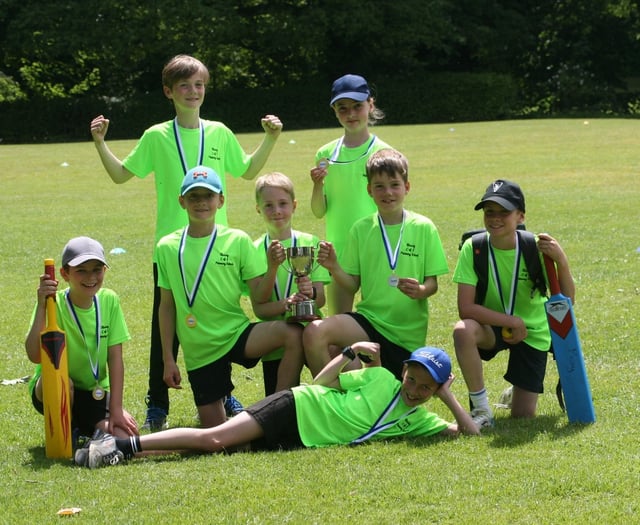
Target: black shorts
{"x": 213, "y": 381}
{"x": 276, "y": 414}
{"x": 392, "y": 356}
{"x": 86, "y": 412}
{"x": 527, "y": 366}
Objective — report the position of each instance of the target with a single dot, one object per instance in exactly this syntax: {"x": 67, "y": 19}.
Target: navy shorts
{"x": 527, "y": 366}
{"x": 86, "y": 412}
{"x": 213, "y": 381}
{"x": 392, "y": 356}
{"x": 276, "y": 414}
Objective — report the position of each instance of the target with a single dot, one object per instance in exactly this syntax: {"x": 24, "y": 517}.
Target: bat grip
{"x": 552, "y": 275}
{"x": 50, "y": 271}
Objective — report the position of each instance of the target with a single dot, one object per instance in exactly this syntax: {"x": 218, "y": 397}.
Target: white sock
{"x": 480, "y": 400}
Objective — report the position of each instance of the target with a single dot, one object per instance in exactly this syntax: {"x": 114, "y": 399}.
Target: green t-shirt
{"x": 345, "y": 188}
{"x": 157, "y": 152}
{"x": 219, "y": 316}
{"x": 327, "y": 416}
{"x": 399, "y": 318}
{"x": 82, "y": 350}
{"x": 529, "y": 303}
{"x": 283, "y": 277}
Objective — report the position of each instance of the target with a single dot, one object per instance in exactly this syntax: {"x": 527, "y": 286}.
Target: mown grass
{"x": 581, "y": 183}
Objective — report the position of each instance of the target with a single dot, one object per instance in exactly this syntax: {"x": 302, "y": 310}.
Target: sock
{"x": 480, "y": 400}
{"x": 129, "y": 446}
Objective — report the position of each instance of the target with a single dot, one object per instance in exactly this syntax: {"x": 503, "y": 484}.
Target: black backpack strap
{"x": 480, "y": 245}
{"x": 532, "y": 260}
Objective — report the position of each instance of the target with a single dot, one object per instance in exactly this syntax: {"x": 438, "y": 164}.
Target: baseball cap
{"x": 82, "y": 249}
{"x": 201, "y": 177}
{"x": 354, "y": 87}
{"x": 435, "y": 360}
{"x": 505, "y": 193}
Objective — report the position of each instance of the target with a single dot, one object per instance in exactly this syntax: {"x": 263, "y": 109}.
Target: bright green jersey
{"x": 218, "y": 314}
{"x": 285, "y": 282}
{"x": 400, "y": 319}
{"x": 157, "y": 152}
{"x": 529, "y": 303}
{"x": 81, "y": 344}
{"x": 345, "y": 187}
{"x": 327, "y": 416}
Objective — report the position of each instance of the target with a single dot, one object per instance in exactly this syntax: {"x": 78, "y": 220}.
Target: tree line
{"x": 560, "y": 56}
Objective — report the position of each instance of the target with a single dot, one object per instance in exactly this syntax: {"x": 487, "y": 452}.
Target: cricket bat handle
{"x": 552, "y": 274}
{"x": 50, "y": 271}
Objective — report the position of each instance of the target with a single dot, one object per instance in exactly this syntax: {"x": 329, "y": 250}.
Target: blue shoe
{"x": 232, "y": 406}
{"x": 156, "y": 418}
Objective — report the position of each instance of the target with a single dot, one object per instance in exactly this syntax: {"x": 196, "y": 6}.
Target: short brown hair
{"x": 181, "y": 67}
{"x": 388, "y": 161}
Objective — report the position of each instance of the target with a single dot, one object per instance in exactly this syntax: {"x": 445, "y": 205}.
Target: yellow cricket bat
{"x": 55, "y": 381}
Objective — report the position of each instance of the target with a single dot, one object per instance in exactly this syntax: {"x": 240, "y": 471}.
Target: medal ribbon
{"x": 95, "y": 367}
{"x": 276, "y": 285}
{"x": 336, "y": 152}
{"x": 191, "y": 294}
{"x": 183, "y": 157}
{"x": 508, "y": 309}
{"x": 379, "y": 426}
{"x": 391, "y": 257}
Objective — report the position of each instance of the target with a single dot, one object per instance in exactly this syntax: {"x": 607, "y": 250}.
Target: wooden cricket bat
{"x": 55, "y": 381}
{"x": 568, "y": 351}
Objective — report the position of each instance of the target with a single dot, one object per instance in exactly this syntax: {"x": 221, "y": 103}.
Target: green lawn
{"x": 581, "y": 181}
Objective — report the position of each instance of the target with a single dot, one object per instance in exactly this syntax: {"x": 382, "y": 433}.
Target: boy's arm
{"x": 412, "y": 288}
{"x": 32, "y": 342}
{"x": 272, "y": 128}
{"x": 329, "y": 375}
{"x": 167, "y": 321}
{"x": 464, "y": 423}
{"x": 117, "y": 416}
{"x": 112, "y": 164}
{"x": 549, "y": 246}
{"x": 327, "y": 258}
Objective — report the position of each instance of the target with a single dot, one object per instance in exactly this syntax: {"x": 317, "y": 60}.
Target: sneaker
{"x": 232, "y": 406}
{"x": 505, "y": 398}
{"x": 156, "y": 419}
{"x": 482, "y": 418}
{"x": 103, "y": 452}
{"x": 81, "y": 454}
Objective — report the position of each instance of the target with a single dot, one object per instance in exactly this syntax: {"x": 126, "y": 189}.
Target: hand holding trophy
{"x": 301, "y": 260}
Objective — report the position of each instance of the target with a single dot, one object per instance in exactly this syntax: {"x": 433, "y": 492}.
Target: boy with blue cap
{"x": 203, "y": 269}
{"x": 339, "y": 408}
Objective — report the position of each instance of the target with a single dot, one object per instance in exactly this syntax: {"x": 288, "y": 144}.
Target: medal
{"x": 98, "y": 393}
{"x": 191, "y": 321}
{"x": 393, "y": 280}
{"x": 392, "y": 256}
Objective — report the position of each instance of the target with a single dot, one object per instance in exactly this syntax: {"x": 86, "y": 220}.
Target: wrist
{"x": 348, "y": 352}
{"x": 314, "y": 293}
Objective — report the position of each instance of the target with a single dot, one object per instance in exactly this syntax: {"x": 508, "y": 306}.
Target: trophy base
{"x": 302, "y": 312}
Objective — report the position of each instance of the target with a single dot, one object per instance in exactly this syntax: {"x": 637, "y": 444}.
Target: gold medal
{"x": 98, "y": 393}
{"x": 191, "y": 321}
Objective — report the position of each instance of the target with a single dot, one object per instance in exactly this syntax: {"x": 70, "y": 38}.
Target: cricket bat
{"x": 55, "y": 381}
{"x": 568, "y": 351}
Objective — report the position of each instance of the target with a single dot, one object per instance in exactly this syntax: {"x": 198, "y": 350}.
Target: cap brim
{"x": 77, "y": 261}
{"x": 498, "y": 200}
{"x": 200, "y": 185}
{"x": 352, "y": 95}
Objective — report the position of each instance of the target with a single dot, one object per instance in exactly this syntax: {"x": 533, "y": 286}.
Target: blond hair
{"x": 275, "y": 179}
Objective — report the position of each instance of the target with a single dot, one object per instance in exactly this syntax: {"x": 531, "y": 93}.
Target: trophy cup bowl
{"x": 300, "y": 259}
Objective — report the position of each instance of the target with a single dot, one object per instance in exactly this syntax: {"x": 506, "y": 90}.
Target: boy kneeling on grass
{"x": 339, "y": 408}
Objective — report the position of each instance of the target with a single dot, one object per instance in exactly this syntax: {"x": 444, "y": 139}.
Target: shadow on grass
{"x": 510, "y": 432}
{"x": 40, "y": 461}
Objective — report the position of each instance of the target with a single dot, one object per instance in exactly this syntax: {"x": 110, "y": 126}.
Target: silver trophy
{"x": 300, "y": 259}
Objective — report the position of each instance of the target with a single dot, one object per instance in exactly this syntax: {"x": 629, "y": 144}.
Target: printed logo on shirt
{"x": 214, "y": 153}
{"x": 224, "y": 260}
{"x": 409, "y": 250}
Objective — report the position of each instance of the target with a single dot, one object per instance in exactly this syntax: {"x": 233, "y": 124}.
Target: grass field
{"x": 581, "y": 181}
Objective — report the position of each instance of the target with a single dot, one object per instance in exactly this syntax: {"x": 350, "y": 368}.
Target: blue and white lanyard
{"x": 276, "y": 285}
{"x": 333, "y": 159}
{"x": 508, "y": 308}
{"x": 379, "y": 426}
{"x": 191, "y": 293}
{"x": 392, "y": 257}
{"x": 183, "y": 157}
{"x": 95, "y": 366}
